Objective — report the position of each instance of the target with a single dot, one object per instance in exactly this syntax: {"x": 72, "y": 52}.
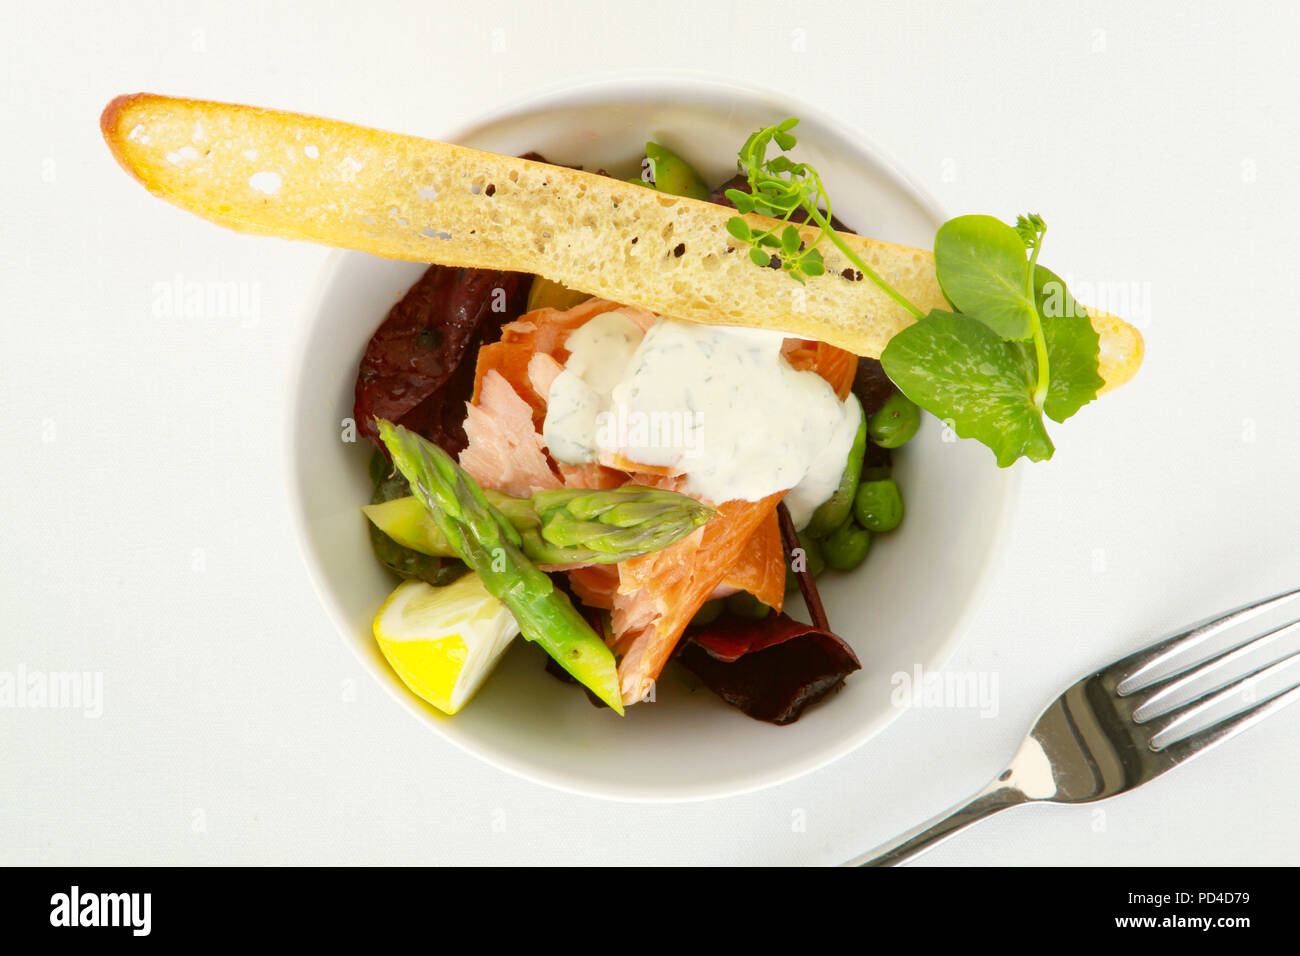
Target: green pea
{"x": 847, "y": 546}
{"x": 674, "y": 175}
{"x": 814, "y": 561}
{"x": 744, "y": 604}
{"x": 895, "y": 423}
{"x": 878, "y": 505}
{"x": 707, "y": 614}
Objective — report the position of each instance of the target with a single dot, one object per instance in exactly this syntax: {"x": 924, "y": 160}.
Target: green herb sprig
{"x": 1014, "y": 347}
{"x": 780, "y": 188}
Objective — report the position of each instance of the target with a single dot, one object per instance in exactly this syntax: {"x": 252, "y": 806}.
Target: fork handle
{"x": 996, "y": 796}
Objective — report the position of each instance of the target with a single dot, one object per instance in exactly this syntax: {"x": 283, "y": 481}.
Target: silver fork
{"x": 1098, "y": 738}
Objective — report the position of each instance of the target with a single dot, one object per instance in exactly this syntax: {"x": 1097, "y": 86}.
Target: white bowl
{"x": 906, "y": 606}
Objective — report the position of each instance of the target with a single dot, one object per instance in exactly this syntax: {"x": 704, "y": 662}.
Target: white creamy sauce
{"x": 720, "y": 404}
{"x": 599, "y": 352}
{"x": 823, "y": 476}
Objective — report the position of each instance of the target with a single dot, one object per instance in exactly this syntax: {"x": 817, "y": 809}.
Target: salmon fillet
{"x": 505, "y": 452}
{"x": 760, "y": 569}
{"x": 659, "y": 593}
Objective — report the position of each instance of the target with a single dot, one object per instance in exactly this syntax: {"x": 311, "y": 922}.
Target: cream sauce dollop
{"x": 719, "y": 404}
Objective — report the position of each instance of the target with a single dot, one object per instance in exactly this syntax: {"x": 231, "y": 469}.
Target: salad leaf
{"x": 1073, "y": 346}
{"x": 961, "y": 371}
{"x": 772, "y": 668}
{"x": 984, "y": 388}
{"x": 980, "y": 262}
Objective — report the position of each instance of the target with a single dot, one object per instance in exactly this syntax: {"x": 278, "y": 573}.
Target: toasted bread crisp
{"x": 401, "y": 197}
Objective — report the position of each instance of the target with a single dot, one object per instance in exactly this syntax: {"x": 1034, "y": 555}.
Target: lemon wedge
{"x": 443, "y": 642}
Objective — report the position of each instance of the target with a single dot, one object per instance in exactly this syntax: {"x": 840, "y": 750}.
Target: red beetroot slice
{"x": 772, "y": 669}
{"x": 418, "y": 369}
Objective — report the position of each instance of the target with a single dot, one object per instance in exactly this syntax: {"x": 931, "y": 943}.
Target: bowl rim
{"x": 593, "y": 87}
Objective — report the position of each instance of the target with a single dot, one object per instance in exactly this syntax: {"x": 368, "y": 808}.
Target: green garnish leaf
{"x": 789, "y": 241}
{"x": 811, "y": 264}
{"x": 982, "y": 386}
{"x": 778, "y": 188}
{"x": 981, "y": 266}
{"x": 1056, "y": 376}
{"x": 742, "y": 200}
{"x": 739, "y": 228}
{"x": 1073, "y": 346}
{"x": 960, "y": 371}
{"x": 1030, "y": 229}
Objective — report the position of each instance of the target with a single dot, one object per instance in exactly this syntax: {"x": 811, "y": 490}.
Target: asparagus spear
{"x": 487, "y": 541}
{"x": 562, "y": 527}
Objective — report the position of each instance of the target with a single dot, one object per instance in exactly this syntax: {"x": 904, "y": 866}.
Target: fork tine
{"x": 1181, "y": 715}
{"x": 1228, "y": 728}
{"x": 1153, "y": 694}
{"x": 1129, "y": 671}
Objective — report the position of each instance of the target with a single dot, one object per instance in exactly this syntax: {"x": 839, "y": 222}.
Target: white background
{"x": 143, "y": 525}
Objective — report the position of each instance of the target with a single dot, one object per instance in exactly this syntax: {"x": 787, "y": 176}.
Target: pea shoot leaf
{"x": 1072, "y": 347}
{"x": 961, "y": 371}
{"x": 1030, "y": 228}
{"x": 982, "y": 270}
